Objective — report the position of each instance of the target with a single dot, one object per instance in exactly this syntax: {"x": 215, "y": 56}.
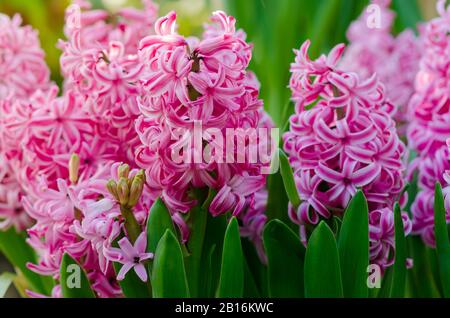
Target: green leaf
{"x": 231, "y": 283}
{"x": 412, "y": 191}
{"x": 73, "y": 279}
{"x": 277, "y": 202}
{"x": 353, "y": 245}
{"x": 159, "y": 220}
{"x": 257, "y": 268}
{"x": 169, "y": 275}
{"x": 250, "y": 288}
{"x": 336, "y": 224}
{"x": 399, "y": 267}
{"x": 15, "y": 248}
{"x": 288, "y": 180}
{"x": 442, "y": 240}
{"x": 211, "y": 262}
{"x": 6, "y": 280}
{"x": 285, "y": 254}
{"x": 197, "y": 220}
{"x": 322, "y": 269}
{"x": 132, "y": 286}
{"x": 206, "y": 280}
{"x": 386, "y": 284}
{"x": 420, "y": 275}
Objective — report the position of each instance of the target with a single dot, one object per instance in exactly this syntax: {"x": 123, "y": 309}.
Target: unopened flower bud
{"x": 141, "y": 174}
{"x": 123, "y": 171}
{"x": 135, "y": 191}
{"x": 123, "y": 191}
{"x": 74, "y": 167}
{"x": 112, "y": 188}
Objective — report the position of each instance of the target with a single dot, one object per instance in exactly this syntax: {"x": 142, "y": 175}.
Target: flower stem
{"x": 131, "y": 224}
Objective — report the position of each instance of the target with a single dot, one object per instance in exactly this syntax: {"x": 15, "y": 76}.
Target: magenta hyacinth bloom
{"x": 430, "y": 122}
{"x": 131, "y": 256}
{"x": 395, "y": 59}
{"x": 187, "y": 81}
{"x": 342, "y": 138}
{"x": 253, "y": 222}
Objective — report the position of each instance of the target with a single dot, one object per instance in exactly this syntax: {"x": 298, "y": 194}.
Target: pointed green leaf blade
{"x": 277, "y": 201}
{"x": 386, "y": 284}
{"x": 132, "y": 286}
{"x": 420, "y": 275}
{"x": 288, "y": 179}
{"x": 285, "y": 254}
{"x": 197, "y": 222}
{"x": 14, "y": 246}
{"x": 169, "y": 275}
{"x": 73, "y": 279}
{"x": 353, "y": 245}
{"x": 322, "y": 269}
{"x": 258, "y": 269}
{"x": 159, "y": 220}
{"x": 211, "y": 262}
{"x": 6, "y": 280}
{"x": 442, "y": 240}
{"x": 231, "y": 282}
{"x": 250, "y": 288}
{"x": 399, "y": 267}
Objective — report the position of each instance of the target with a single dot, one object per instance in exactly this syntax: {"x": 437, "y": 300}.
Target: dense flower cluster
{"x": 82, "y": 219}
{"x": 341, "y": 139}
{"x": 430, "y": 124}
{"x": 22, "y": 72}
{"x": 187, "y": 81}
{"x": 373, "y": 49}
{"x": 102, "y": 68}
{"x": 147, "y": 113}
{"x": 93, "y": 118}
{"x": 128, "y": 93}
{"x": 22, "y": 66}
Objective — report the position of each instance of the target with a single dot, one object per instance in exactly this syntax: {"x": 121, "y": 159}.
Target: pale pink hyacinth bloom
{"x": 431, "y": 169}
{"x": 74, "y": 220}
{"x": 430, "y": 104}
{"x": 11, "y": 210}
{"x": 23, "y": 72}
{"x": 395, "y": 59}
{"x": 93, "y": 117}
{"x": 131, "y": 256}
{"x": 430, "y": 119}
{"x": 342, "y": 139}
{"x": 22, "y": 66}
{"x": 100, "y": 63}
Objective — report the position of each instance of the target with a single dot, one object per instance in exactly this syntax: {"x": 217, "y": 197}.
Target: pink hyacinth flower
{"x": 131, "y": 256}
